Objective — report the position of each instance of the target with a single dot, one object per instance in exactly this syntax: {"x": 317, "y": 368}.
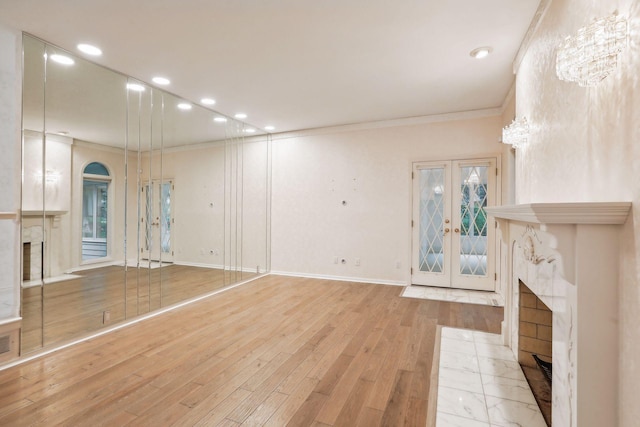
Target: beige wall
{"x": 584, "y": 146}
{"x": 370, "y": 169}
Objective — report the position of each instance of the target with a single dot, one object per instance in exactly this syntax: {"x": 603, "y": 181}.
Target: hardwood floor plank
{"x": 396, "y": 408}
{"x": 277, "y": 351}
{"x": 285, "y": 412}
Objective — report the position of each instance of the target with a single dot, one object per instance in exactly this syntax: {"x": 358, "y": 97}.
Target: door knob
{"x": 446, "y": 221}
{"x": 446, "y": 230}
{"x": 457, "y": 230}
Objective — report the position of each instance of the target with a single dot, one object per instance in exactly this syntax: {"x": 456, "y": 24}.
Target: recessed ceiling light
{"x": 208, "y": 101}
{"x": 185, "y": 106}
{"x": 240, "y": 116}
{"x": 220, "y": 119}
{"x": 249, "y": 130}
{"x": 161, "y": 81}
{"x": 135, "y": 87}
{"x": 269, "y": 128}
{"x": 481, "y": 52}
{"x": 61, "y": 59}
{"x": 89, "y": 49}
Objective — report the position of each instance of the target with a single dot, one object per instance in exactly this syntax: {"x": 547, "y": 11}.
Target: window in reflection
{"x": 95, "y": 194}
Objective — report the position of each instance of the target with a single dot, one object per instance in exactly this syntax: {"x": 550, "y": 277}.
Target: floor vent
{"x": 5, "y": 344}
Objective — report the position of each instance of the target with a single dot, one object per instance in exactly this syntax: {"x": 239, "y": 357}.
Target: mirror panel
{"x": 138, "y": 202}
{"x": 32, "y": 193}
{"x": 84, "y": 221}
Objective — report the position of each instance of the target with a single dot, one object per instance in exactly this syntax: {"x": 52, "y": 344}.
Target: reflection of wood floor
{"x": 76, "y": 307}
{"x": 271, "y": 352}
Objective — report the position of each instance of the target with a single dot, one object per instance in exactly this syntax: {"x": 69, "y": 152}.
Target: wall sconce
{"x": 516, "y": 133}
{"x": 592, "y": 54}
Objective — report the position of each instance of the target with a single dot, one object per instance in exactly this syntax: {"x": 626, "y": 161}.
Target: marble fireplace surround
{"x": 567, "y": 254}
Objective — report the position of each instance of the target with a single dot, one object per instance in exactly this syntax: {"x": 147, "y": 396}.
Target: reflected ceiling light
{"x": 592, "y": 54}
{"x": 62, "y": 133}
{"x": 185, "y": 106}
{"x": 249, "y": 130}
{"x": 220, "y": 119}
{"x": 89, "y": 49}
{"x": 516, "y": 133}
{"x": 269, "y": 128}
{"x": 240, "y": 116}
{"x": 208, "y": 101}
{"x": 161, "y": 81}
{"x": 62, "y": 59}
{"x": 135, "y": 87}
{"x": 481, "y": 52}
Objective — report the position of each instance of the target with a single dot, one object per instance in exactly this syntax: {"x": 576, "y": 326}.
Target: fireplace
{"x": 567, "y": 256}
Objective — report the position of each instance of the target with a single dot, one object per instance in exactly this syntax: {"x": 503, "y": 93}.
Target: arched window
{"x": 95, "y": 203}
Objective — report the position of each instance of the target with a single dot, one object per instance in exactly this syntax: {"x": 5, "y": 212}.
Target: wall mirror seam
{"x": 129, "y": 203}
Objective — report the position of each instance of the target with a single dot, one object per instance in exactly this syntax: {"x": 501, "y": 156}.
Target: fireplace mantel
{"x": 568, "y": 255}
{"x": 564, "y": 213}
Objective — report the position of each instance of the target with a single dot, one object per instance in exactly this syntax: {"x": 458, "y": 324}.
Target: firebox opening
{"x": 535, "y": 338}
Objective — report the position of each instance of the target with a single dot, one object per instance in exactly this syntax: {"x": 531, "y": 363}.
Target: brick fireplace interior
{"x": 535, "y": 334}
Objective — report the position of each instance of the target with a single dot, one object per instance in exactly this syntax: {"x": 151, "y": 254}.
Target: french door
{"x": 453, "y": 243}
{"x": 157, "y": 221}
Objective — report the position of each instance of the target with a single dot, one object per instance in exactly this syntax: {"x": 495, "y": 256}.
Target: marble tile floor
{"x": 454, "y": 295}
{"x": 480, "y": 383}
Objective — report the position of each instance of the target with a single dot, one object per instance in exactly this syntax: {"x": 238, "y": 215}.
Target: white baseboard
{"x": 218, "y": 267}
{"x": 200, "y": 264}
{"x": 340, "y": 278}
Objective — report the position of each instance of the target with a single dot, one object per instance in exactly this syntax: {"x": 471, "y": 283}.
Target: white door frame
{"x": 451, "y": 276}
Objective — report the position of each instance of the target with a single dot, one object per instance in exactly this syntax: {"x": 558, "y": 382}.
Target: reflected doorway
{"x": 157, "y": 221}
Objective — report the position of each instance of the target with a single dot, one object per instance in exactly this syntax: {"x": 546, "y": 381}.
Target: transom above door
{"x": 452, "y": 241}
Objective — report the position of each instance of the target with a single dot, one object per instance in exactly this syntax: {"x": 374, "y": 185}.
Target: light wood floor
{"x": 73, "y": 308}
{"x": 277, "y": 351}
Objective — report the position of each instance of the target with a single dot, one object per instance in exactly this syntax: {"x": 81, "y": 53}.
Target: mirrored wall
{"x": 132, "y": 200}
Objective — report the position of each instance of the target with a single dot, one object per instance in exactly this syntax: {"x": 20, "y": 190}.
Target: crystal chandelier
{"x": 516, "y": 133}
{"x": 592, "y": 54}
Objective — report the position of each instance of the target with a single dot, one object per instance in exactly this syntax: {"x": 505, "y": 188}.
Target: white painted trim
{"x": 407, "y": 121}
{"x": 340, "y": 278}
{"x": 10, "y": 320}
{"x": 9, "y": 215}
{"x": 564, "y": 213}
{"x": 200, "y": 264}
{"x": 21, "y": 360}
{"x": 533, "y": 28}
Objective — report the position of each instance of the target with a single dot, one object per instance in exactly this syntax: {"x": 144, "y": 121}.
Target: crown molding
{"x": 407, "y": 121}
{"x": 528, "y": 37}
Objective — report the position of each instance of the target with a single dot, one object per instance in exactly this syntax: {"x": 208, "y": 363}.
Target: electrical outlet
{"x": 106, "y": 316}
{"x": 335, "y": 259}
{"x": 398, "y": 264}
{"x": 357, "y": 262}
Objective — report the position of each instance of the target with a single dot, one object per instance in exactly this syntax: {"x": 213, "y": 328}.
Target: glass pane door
{"x": 452, "y": 242}
{"x": 431, "y": 224}
{"x": 473, "y": 238}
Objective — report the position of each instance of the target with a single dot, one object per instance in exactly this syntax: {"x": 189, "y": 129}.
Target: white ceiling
{"x": 299, "y": 64}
